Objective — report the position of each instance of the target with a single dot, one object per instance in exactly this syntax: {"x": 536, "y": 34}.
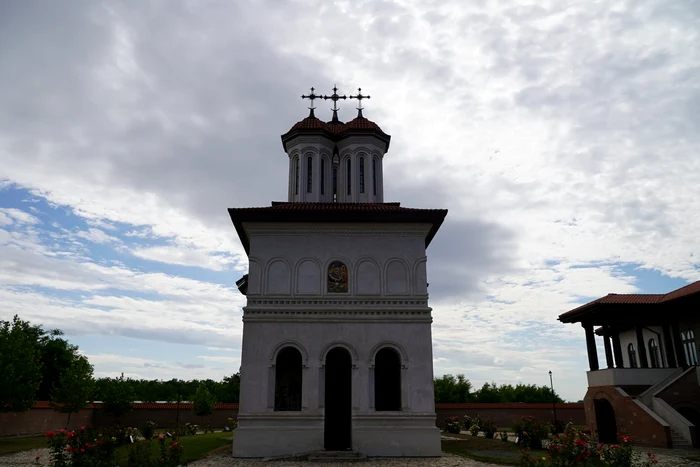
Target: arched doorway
{"x": 691, "y": 414}
{"x": 605, "y": 420}
{"x": 338, "y": 401}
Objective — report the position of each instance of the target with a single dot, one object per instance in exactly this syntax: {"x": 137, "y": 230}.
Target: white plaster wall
{"x": 630, "y": 337}
{"x": 262, "y": 340}
{"x": 352, "y": 148}
{"x": 379, "y": 263}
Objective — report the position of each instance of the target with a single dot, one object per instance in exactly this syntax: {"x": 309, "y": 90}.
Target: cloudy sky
{"x": 563, "y": 136}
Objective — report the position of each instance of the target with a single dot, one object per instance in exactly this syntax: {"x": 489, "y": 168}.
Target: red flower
{"x": 36, "y": 458}
{"x": 63, "y": 431}
{"x": 82, "y": 450}
{"x": 50, "y": 434}
{"x": 83, "y": 428}
{"x": 69, "y": 449}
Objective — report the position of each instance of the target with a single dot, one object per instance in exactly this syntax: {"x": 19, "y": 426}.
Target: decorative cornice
{"x": 358, "y": 304}
{"x": 364, "y": 230}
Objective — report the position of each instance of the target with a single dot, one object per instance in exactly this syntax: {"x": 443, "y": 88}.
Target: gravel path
{"x": 224, "y": 459}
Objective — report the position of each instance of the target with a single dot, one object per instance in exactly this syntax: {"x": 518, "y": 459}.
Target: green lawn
{"x": 486, "y": 450}
{"x": 21, "y": 443}
{"x": 194, "y": 447}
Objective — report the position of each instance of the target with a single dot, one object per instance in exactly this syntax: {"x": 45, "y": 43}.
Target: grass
{"x": 194, "y": 447}
{"x": 486, "y": 450}
{"x": 21, "y": 443}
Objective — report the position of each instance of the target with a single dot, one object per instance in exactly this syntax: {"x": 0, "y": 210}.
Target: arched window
{"x": 387, "y": 380}
{"x": 288, "y": 371}
{"x": 654, "y": 354}
{"x": 689, "y": 347}
{"x": 632, "y": 355}
{"x": 362, "y": 174}
{"x": 309, "y": 173}
{"x": 296, "y": 176}
{"x": 349, "y": 172}
{"x": 374, "y": 176}
{"x": 323, "y": 176}
{"x": 337, "y": 277}
{"x": 335, "y": 184}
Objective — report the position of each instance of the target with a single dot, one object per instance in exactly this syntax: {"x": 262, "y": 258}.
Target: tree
{"x": 230, "y": 388}
{"x": 20, "y": 366}
{"x": 451, "y": 389}
{"x": 57, "y": 356}
{"x": 74, "y": 389}
{"x": 117, "y": 397}
{"x": 203, "y": 402}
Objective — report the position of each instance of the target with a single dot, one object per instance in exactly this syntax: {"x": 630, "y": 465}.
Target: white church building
{"x": 336, "y": 347}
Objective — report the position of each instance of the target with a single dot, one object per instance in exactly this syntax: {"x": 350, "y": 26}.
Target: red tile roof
{"x": 633, "y": 299}
{"x": 336, "y": 129}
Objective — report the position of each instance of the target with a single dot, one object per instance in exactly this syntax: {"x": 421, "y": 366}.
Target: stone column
{"x": 590, "y": 344}
{"x": 668, "y": 347}
{"x": 641, "y": 348}
{"x": 608, "y": 348}
{"x": 617, "y": 349}
{"x": 370, "y": 387}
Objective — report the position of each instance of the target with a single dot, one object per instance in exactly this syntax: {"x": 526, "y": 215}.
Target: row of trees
{"x": 37, "y": 364}
{"x": 449, "y": 388}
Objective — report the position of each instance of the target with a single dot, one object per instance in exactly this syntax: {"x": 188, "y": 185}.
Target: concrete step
{"x": 678, "y": 441}
{"x": 337, "y": 456}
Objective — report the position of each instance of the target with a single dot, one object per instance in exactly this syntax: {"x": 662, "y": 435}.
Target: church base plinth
{"x": 396, "y": 435}
{"x": 277, "y": 436}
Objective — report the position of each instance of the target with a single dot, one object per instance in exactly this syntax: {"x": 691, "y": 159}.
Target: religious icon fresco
{"x": 337, "y": 277}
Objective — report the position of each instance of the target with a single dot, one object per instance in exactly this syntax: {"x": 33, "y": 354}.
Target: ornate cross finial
{"x": 359, "y": 98}
{"x": 335, "y": 98}
{"x": 311, "y": 97}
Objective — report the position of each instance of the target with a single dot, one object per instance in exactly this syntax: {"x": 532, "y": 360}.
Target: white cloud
{"x": 97, "y": 236}
{"x": 8, "y": 215}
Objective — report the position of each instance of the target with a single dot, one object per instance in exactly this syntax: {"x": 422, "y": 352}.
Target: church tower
{"x": 337, "y": 346}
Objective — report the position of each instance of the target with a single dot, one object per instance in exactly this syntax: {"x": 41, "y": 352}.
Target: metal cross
{"x": 335, "y": 98}
{"x": 359, "y": 97}
{"x": 311, "y": 97}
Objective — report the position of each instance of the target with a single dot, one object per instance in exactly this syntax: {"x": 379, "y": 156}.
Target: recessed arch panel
{"x": 278, "y": 277}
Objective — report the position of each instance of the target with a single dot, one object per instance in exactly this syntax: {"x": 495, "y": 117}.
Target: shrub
{"x": 148, "y": 429}
{"x": 232, "y": 424}
{"x": 474, "y": 429}
{"x": 452, "y": 425}
{"x": 529, "y": 432}
{"x": 504, "y": 436}
{"x": 191, "y": 429}
{"x": 577, "y": 448}
{"x": 82, "y": 448}
{"x": 489, "y": 428}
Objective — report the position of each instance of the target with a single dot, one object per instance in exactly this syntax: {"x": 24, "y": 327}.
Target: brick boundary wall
{"x": 41, "y": 418}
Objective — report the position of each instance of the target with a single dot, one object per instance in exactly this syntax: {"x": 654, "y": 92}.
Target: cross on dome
{"x": 359, "y": 98}
{"x": 335, "y": 98}
{"x": 311, "y": 97}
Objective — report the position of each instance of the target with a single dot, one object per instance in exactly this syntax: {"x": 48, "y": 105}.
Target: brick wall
{"x": 42, "y": 418}
{"x": 631, "y": 419}
{"x": 504, "y": 414}
{"x": 166, "y": 416}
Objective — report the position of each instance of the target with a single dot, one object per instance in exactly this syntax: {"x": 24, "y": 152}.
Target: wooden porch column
{"x": 590, "y": 345}
{"x": 617, "y": 349}
{"x": 608, "y": 348}
{"x": 678, "y": 345}
{"x": 641, "y": 348}
{"x": 668, "y": 347}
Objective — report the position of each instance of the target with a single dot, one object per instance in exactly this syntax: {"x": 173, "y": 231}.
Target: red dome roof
{"x": 335, "y": 129}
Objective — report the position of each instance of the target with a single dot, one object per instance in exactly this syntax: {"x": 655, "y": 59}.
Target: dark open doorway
{"x": 338, "y": 403}
{"x": 605, "y": 419}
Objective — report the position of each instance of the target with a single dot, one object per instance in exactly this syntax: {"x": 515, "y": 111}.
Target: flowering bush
{"x": 504, "y": 436}
{"x": 148, "y": 429}
{"x": 83, "y": 448}
{"x": 191, "y": 429}
{"x": 577, "y": 448}
{"x": 489, "y": 428}
{"x": 530, "y": 432}
{"x": 469, "y": 421}
{"x": 232, "y": 424}
{"x": 452, "y": 425}
{"x": 141, "y": 454}
{"x": 474, "y": 430}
